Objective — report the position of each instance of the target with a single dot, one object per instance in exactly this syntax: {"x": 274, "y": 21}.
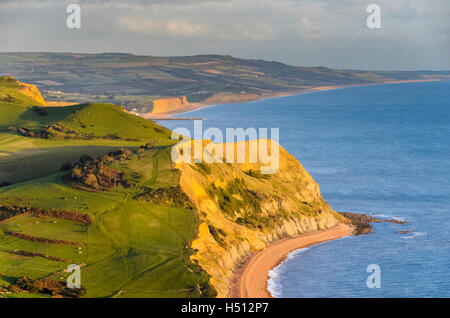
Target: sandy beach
{"x": 250, "y": 280}
{"x": 196, "y": 106}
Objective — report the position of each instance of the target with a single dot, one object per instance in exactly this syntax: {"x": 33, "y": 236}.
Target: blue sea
{"x": 383, "y": 150}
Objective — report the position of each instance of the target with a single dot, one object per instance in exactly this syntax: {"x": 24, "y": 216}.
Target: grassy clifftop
{"x": 12, "y": 91}
{"x": 93, "y": 185}
{"x": 35, "y": 140}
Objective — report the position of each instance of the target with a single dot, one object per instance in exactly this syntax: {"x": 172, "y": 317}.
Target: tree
{"x": 91, "y": 181}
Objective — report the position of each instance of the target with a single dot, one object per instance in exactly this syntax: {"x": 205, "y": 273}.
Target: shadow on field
{"x": 41, "y": 162}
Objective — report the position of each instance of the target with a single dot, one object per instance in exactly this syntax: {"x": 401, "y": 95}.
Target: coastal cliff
{"x": 167, "y": 105}
{"x": 225, "y": 98}
{"x": 173, "y": 105}
{"x": 242, "y": 210}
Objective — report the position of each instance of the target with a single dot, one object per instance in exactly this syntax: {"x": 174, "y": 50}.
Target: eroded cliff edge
{"x": 242, "y": 210}
{"x": 168, "y": 105}
{"x": 29, "y": 90}
{"x": 174, "y": 105}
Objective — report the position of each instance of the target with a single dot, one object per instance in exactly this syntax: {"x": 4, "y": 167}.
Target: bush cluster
{"x": 217, "y": 234}
{"x": 58, "y": 129}
{"x": 25, "y": 132}
{"x": 7, "y": 212}
{"x": 36, "y": 254}
{"x": 46, "y": 286}
{"x": 50, "y": 131}
{"x": 95, "y": 174}
{"x": 256, "y": 174}
{"x": 41, "y": 240}
{"x": 147, "y": 146}
{"x": 172, "y": 196}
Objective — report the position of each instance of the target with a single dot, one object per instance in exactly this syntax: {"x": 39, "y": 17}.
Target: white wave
{"x": 273, "y": 285}
{"x": 414, "y": 235}
{"x": 384, "y": 216}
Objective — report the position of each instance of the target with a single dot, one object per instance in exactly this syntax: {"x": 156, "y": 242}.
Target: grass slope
{"x": 99, "y": 128}
{"x": 13, "y": 104}
{"x": 134, "y": 248}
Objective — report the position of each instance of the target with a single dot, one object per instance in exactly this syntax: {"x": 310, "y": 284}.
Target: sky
{"x": 414, "y": 34}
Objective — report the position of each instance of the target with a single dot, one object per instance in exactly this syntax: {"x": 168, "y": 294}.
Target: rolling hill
{"x": 62, "y": 133}
{"x": 136, "y": 81}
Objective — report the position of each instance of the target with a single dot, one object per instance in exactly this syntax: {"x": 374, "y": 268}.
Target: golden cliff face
{"x": 167, "y": 105}
{"x": 32, "y": 91}
{"x": 28, "y": 90}
{"x": 242, "y": 210}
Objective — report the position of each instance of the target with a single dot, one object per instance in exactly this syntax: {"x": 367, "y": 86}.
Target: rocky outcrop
{"x": 242, "y": 210}
{"x": 167, "y": 105}
{"x": 361, "y": 222}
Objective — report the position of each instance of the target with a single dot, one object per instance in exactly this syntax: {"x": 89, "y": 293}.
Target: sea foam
{"x": 274, "y": 285}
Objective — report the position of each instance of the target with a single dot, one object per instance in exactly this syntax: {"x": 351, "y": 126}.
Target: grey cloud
{"x": 302, "y": 32}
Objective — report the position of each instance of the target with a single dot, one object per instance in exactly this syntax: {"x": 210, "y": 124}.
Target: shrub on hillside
{"x": 8, "y": 211}
{"x": 94, "y": 174}
{"x": 145, "y": 147}
{"x": 217, "y": 234}
{"x": 172, "y": 196}
{"x": 256, "y": 174}
{"x": 208, "y": 290}
{"x": 91, "y": 181}
{"x": 46, "y": 286}
{"x": 203, "y": 167}
{"x": 25, "y": 132}
{"x": 65, "y": 215}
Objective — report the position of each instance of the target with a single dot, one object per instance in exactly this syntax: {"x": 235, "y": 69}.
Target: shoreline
{"x": 251, "y": 277}
{"x": 201, "y": 105}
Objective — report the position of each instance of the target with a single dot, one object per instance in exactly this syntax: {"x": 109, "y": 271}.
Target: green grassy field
{"x": 130, "y": 243}
{"x": 94, "y": 129}
{"x": 132, "y": 248}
